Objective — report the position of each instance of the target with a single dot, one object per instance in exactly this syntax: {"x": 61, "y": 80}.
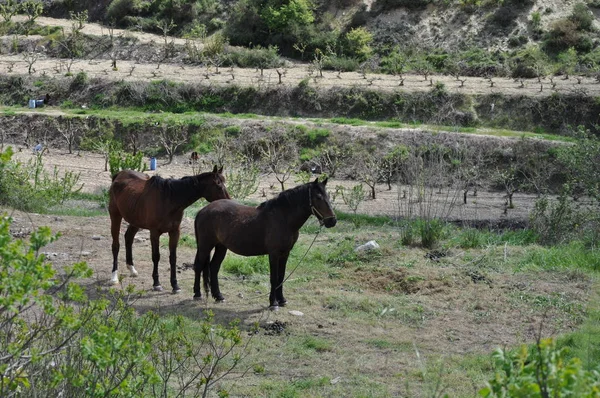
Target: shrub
{"x": 536, "y": 19}
{"x": 257, "y": 57}
{"x": 582, "y": 16}
{"x": 29, "y": 187}
{"x": 119, "y": 160}
{"x": 430, "y": 231}
{"x": 543, "y": 370}
{"x": 358, "y": 43}
{"x": 340, "y": 63}
{"x": 561, "y": 35}
{"x": 314, "y": 137}
{"x": 58, "y": 342}
{"x": 504, "y": 16}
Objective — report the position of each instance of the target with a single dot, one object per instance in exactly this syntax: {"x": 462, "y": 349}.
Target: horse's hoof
{"x": 132, "y": 271}
{"x": 197, "y": 298}
{"x": 282, "y": 303}
{"x": 176, "y": 291}
{"x": 157, "y": 288}
{"x": 274, "y": 308}
{"x": 219, "y": 300}
{"x": 114, "y": 279}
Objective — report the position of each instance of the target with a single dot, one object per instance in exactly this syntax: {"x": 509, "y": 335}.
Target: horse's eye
{"x": 319, "y": 196}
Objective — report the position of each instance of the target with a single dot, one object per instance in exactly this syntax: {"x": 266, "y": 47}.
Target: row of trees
{"x": 345, "y": 51}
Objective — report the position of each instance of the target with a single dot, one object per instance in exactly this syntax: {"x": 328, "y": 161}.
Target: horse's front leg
{"x": 115, "y": 229}
{"x": 274, "y": 273}
{"x": 281, "y": 273}
{"x": 129, "y": 235}
{"x": 173, "y": 240}
{"x": 154, "y": 241}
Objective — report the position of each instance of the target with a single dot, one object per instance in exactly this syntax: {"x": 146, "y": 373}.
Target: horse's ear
{"x": 215, "y": 169}
{"x": 221, "y": 170}
{"x": 316, "y": 180}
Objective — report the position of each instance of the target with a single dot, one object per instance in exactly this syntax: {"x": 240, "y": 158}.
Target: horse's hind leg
{"x": 115, "y": 229}
{"x": 200, "y": 264}
{"x": 215, "y": 266}
{"x": 154, "y": 241}
{"x": 173, "y": 240}
{"x": 129, "y": 235}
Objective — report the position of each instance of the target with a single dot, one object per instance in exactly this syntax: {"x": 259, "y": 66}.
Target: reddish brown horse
{"x": 271, "y": 228}
{"x": 156, "y": 204}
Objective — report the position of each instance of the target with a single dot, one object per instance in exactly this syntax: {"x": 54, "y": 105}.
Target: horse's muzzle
{"x": 329, "y": 222}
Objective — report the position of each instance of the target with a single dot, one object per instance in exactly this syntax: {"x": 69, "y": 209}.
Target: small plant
{"x": 352, "y": 198}
{"x": 536, "y": 19}
{"x": 430, "y": 231}
{"x": 543, "y": 370}
{"x": 119, "y": 160}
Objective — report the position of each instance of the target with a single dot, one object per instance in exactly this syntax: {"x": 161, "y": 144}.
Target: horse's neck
{"x": 298, "y": 217}
{"x": 189, "y": 191}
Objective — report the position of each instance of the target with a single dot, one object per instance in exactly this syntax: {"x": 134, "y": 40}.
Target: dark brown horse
{"x": 271, "y": 228}
{"x": 156, "y": 204}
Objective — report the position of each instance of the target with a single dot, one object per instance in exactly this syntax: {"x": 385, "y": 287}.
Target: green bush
{"x": 562, "y": 35}
{"x": 314, "y": 137}
{"x": 540, "y": 371}
{"x": 119, "y": 160}
{"x": 582, "y": 16}
{"x": 430, "y": 231}
{"x": 29, "y": 187}
{"x": 358, "y": 43}
{"x": 340, "y": 63}
{"x": 257, "y": 57}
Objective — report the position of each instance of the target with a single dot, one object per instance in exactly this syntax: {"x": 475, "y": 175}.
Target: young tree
{"x": 279, "y": 154}
{"x": 33, "y": 9}
{"x": 171, "y": 137}
{"x": 168, "y": 46}
{"x": 508, "y": 178}
{"x": 367, "y": 166}
{"x": 68, "y": 130}
{"x": 391, "y": 163}
{"x": 396, "y": 63}
{"x": 333, "y": 155}
{"x": 8, "y": 9}
{"x": 567, "y": 62}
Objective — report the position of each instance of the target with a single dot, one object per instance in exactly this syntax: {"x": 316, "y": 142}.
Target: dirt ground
{"x": 462, "y": 304}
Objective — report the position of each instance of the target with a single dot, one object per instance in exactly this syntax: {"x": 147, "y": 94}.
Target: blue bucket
{"x": 32, "y": 103}
{"x": 152, "y": 163}
{"x": 39, "y": 103}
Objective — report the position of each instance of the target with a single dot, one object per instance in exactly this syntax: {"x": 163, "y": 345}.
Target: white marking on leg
{"x": 114, "y": 278}
{"x": 132, "y": 270}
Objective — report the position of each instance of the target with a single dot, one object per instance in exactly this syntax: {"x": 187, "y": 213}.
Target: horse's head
{"x": 319, "y": 203}
{"x": 216, "y": 189}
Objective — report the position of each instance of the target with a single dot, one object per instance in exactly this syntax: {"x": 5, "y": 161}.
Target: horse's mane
{"x": 289, "y": 198}
{"x": 176, "y": 187}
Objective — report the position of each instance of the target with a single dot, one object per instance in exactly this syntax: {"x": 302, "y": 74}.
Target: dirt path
{"x": 291, "y": 76}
